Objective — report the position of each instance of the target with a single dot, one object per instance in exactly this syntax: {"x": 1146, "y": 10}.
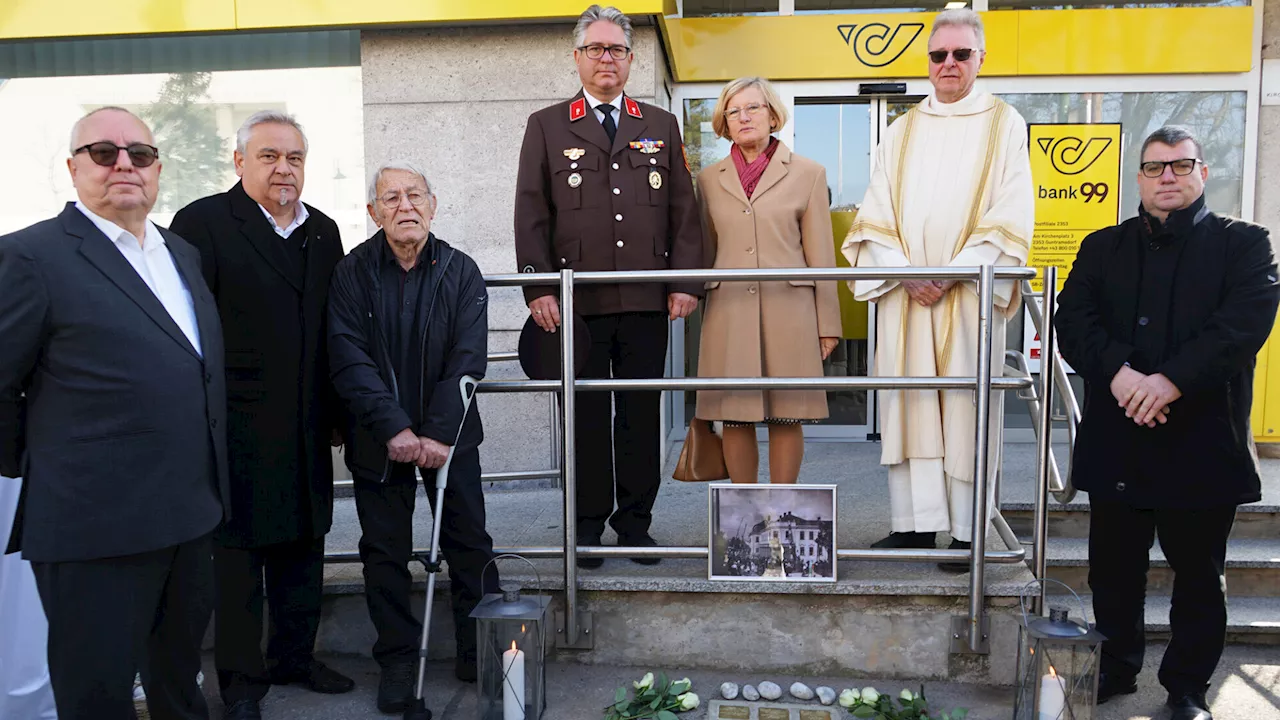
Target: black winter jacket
{"x": 1222, "y": 307}
{"x": 455, "y": 343}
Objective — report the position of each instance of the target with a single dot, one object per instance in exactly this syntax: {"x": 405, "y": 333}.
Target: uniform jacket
{"x": 111, "y": 416}
{"x": 585, "y": 204}
{"x": 281, "y": 409}
{"x": 1222, "y": 307}
{"x": 455, "y": 343}
{"x": 767, "y": 329}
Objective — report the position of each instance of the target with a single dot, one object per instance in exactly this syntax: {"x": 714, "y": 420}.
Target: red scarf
{"x": 750, "y": 173}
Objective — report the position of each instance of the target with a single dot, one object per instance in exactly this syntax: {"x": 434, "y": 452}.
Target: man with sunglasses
{"x": 268, "y": 258}
{"x": 952, "y": 187}
{"x": 603, "y": 185}
{"x": 113, "y": 409}
{"x": 1162, "y": 315}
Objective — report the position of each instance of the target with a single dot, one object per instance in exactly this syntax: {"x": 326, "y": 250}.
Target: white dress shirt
{"x": 300, "y": 216}
{"x": 154, "y": 264}
{"x": 595, "y": 105}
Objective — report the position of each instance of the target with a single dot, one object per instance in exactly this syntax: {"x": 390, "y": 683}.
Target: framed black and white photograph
{"x": 772, "y": 532}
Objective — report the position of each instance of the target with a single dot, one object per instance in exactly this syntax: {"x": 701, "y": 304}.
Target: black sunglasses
{"x": 937, "y": 57}
{"x": 105, "y": 153}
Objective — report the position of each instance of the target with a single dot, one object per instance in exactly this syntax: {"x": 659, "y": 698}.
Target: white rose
{"x": 870, "y": 696}
{"x": 645, "y": 683}
{"x": 680, "y": 686}
{"x": 848, "y": 698}
{"x": 688, "y": 701}
{"x": 906, "y": 696}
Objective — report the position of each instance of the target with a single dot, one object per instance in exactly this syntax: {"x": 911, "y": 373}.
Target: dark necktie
{"x": 610, "y": 127}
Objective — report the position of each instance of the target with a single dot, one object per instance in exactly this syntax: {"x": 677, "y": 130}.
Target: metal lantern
{"x": 511, "y": 634}
{"x": 1057, "y": 665}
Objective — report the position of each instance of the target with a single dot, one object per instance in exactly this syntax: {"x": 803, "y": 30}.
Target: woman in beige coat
{"x": 764, "y": 207}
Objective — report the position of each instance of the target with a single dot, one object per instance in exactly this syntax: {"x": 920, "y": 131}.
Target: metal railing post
{"x": 981, "y": 509}
{"x": 1044, "y": 443}
{"x": 568, "y": 464}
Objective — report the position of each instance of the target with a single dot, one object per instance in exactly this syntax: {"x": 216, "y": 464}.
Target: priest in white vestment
{"x": 951, "y": 186}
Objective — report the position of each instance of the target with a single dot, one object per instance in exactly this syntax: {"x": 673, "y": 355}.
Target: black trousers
{"x": 294, "y": 573}
{"x": 108, "y": 617}
{"x": 1195, "y": 544}
{"x": 618, "y": 442}
{"x": 386, "y": 545}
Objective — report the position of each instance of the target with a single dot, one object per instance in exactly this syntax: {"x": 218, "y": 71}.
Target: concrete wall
{"x": 455, "y": 100}
{"x": 1267, "y": 190}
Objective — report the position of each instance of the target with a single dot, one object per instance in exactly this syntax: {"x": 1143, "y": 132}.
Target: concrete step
{"x": 1253, "y": 566}
{"x": 1256, "y": 521}
{"x": 1250, "y": 620}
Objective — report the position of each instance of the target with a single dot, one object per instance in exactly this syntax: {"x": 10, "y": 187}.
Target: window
{"x": 194, "y": 92}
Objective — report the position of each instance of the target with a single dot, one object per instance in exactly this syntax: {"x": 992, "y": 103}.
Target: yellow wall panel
{"x": 1266, "y": 391}
{"x": 57, "y": 18}
{"x": 336, "y": 13}
{"x": 1135, "y": 41}
{"x": 821, "y": 46}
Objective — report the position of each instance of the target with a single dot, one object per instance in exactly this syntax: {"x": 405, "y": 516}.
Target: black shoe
{"x": 642, "y": 540}
{"x": 317, "y": 677}
{"x": 1191, "y": 706}
{"x": 395, "y": 689}
{"x": 906, "y": 540}
{"x": 243, "y": 710}
{"x": 589, "y": 563}
{"x": 1111, "y": 685}
{"x": 956, "y": 568}
{"x": 464, "y": 668}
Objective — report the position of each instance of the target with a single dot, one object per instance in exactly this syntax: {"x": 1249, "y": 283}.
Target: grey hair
{"x": 404, "y": 165}
{"x": 961, "y": 17}
{"x": 75, "y": 129}
{"x": 594, "y": 14}
{"x": 1172, "y": 135}
{"x": 262, "y": 117}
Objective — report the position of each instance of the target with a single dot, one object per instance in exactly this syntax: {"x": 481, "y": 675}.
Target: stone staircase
{"x": 1253, "y": 563}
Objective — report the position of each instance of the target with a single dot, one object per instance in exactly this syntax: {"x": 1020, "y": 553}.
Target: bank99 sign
{"x": 1076, "y": 172}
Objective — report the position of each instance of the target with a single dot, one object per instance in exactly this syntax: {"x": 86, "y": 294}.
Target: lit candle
{"x": 1053, "y": 696}
{"x": 513, "y": 684}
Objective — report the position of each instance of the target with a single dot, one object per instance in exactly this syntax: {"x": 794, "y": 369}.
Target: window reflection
{"x": 194, "y": 116}
{"x": 1215, "y": 118}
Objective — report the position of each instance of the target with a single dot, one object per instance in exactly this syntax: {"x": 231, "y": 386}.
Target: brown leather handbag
{"x": 702, "y": 458}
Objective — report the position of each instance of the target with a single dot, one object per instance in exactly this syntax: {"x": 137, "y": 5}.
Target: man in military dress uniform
{"x": 603, "y": 186}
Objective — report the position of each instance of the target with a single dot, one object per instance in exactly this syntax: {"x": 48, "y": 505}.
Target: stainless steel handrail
{"x": 1062, "y": 385}
{"x": 983, "y": 384}
{"x": 1033, "y": 405}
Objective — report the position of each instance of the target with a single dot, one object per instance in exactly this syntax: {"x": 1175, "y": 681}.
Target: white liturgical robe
{"x": 951, "y": 186}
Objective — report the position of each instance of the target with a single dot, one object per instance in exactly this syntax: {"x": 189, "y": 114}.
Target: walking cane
{"x": 419, "y": 711}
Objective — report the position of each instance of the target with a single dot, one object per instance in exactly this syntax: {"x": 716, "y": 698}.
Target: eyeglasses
{"x": 746, "y": 112}
{"x": 392, "y": 200}
{"x": 617, "y": 52}
{"x": 105, "y": 153}
{"x": 937, "y": 57}
{"x": 1183, "y": 167}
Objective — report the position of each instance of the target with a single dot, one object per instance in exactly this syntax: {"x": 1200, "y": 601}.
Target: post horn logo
{"x": 877, "y": 44}
{"x": 1070, "y": 155}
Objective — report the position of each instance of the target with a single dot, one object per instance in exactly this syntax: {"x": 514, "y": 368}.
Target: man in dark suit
{"x": 267, "y": 258}
{"x": 113, "y": 409}
{"x": 1162, "y": 316}
{"x": 603, "y": 185}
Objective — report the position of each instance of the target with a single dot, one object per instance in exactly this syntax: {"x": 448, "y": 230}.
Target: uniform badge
{"x": 577, "y": 109}
{"x": 633, "y": 107}
{"x": 575, "y": 180}
{"x": 574, "y": 153}
{"x": 647, "y": 146}
{"x": 655, "y": 180}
